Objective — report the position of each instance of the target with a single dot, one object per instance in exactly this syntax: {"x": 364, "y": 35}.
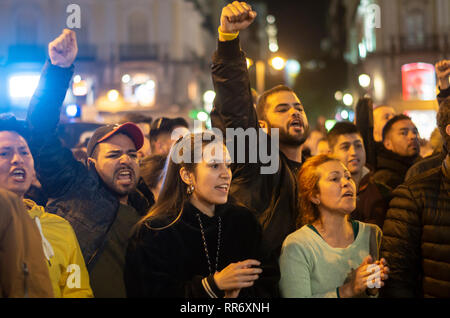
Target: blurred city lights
{"x": 72, "y": 110}
{"x": 202, "y": 116}
{"x": 145, "y": 93}
{"x": 79, "y": 88}
{"x": 292, "y": 67}
{"x": 273, "y": 47}
{"x": 208, "y": 97}
{"x": 344, "y": 114}
{"x": 249, "y": 62}
{"x": 338, "y": 95}
{"x": 278, "y": 63}
{"x": 23, "y": 86}
{"x": 126, "y": 78}
{"x": 364, "y": 80}
{"x": 113, "y": 95}
{"x": 329, "y": 124}
{"x": 348, "y": 99}
{"x": 270, "y": 19}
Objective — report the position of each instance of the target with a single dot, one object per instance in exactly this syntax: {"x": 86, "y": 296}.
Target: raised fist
{"x": 443, "y": 72}
{"x": 236, "y": 16}
{"x": 63, "y": 50}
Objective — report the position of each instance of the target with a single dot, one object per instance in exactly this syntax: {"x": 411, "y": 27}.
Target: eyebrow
{"x": 286, "y": 104}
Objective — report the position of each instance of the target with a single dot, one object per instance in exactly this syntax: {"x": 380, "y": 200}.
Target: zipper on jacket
{"x": 25, "y": 281}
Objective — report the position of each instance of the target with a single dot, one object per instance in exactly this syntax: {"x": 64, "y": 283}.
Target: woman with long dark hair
{"x": 330, "y": 255}
{"x": 192, "y": 243}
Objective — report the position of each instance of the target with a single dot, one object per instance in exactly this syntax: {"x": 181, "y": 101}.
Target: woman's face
{"x": 212, "y": 176}
{"x": 337, "y": 190}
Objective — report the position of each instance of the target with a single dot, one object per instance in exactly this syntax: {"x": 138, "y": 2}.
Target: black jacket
{"x": 172, "y": 262}
{"x": 416, "y": 240}
{"x": 77, "y": 193}
{"x": 271, "y": 197}
{"x": 391, "y": 171}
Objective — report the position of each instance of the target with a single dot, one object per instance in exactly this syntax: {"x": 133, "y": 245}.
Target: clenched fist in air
{"x": 443, "y": 73}
{"x": 63, "y": 50}
{"x": 236, "y": 16}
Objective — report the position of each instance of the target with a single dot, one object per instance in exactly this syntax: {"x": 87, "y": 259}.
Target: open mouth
{"x": 18, "y": 175}
{"x": 296, "y": 124}
{"x": 348, "y": 194}
{"x": 125, "y": 176}
{"x": 223, "y": 188}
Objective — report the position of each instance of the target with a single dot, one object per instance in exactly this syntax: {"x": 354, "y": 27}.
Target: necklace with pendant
{"x": 206, "y": 247}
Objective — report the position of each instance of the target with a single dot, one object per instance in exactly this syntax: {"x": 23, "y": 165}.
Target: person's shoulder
{"x": 369, "y": 227}
{"x": 300, "y": 236}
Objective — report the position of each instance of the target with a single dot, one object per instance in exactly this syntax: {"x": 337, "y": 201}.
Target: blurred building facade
{"x": 154, "y": 54}
{"x": 395, "y": 43}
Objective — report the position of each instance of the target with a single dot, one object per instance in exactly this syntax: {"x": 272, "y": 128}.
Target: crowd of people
{"x": 360, "y": 214}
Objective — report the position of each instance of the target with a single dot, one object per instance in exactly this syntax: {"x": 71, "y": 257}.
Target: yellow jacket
{"x": 68, "y": 273}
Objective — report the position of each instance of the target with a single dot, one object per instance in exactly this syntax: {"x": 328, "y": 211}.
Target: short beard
{"x": 289, "y": 140}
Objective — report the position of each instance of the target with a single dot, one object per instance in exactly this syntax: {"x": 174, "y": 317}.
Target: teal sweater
{"x": 312, "y": 268}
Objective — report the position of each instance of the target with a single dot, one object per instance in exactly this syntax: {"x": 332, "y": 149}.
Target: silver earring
{"x": 190, "y": 189}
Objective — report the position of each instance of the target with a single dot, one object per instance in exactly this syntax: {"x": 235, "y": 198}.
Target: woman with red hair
{"x": 330, "y": 255}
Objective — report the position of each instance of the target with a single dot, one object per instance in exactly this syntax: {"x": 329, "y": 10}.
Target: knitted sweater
{"x": 312, "y": 268}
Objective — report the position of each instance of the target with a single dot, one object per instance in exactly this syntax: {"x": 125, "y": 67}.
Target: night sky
{"x": 302, "y": 25}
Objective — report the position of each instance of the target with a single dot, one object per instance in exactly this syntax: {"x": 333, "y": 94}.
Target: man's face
{"x": 116, "y": 162}
{"x": 381, "y": 116}
{"x": 349, "y": 149}
{"x": 285, "y": 111}
{"x": 403, "y": 139}
{"x": 164, "y": 141}
{"x": 16, "y": 163}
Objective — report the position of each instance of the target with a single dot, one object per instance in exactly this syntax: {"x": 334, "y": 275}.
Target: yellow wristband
{"x": 227, "y": 36}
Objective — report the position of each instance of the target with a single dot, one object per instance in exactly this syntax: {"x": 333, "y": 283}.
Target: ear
{"x": 447, "y": 129}
{"x": 186, "y": 176}
{"x": 91, "y": 162}
{"x": 387, "y": 144}
{"x": 315, "y": 199}
{"x": 263, "y": 124}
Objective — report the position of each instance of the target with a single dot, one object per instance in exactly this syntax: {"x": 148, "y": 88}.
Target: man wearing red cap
{"x": 100, "y": 201}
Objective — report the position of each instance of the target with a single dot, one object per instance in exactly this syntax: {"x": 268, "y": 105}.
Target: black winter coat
{"x": 271, "y": 197}
{"x": 416, "y": 240}
{"x": 77, "y": 193}
{"x": 172, "y": 262}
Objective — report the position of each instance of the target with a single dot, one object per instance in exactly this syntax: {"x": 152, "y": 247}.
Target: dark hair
{"x": 308, "y": 180}
{"x": 168, "y": 208}
{"x": 387, "y": 128}
{"x": 262, "y": 100}
{"x": 9, "y": 123}
{"x": 166, "y": 125}
{"x": 443, "y": 119}
{"x": 341, "y": 128}
{"x": 152, "y": 168}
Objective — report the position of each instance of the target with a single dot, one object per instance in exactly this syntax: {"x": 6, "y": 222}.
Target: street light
{"x": 278, "y": 63}
{"x": 348, "y": 99}
{"x": 113, "y": 95}
{"x": 364, "y": 80}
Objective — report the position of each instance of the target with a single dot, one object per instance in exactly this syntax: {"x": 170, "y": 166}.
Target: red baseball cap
{"x": 103, "y": 133}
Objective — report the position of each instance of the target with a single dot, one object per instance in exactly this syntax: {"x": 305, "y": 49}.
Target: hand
{"x": 236, "y": 16}
{"x": 63, "y": 50}
{"x": 358, "y": 283}
{"x": 443, "y": 72}
{"x": 238, "y": 275}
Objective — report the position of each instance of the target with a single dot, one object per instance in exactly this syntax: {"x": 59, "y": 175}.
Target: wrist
{"x": 444, "y": 84}
{"x": 227, "y": 35}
